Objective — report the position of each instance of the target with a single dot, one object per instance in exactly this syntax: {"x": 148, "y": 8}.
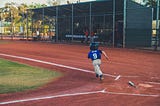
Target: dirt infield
{"x": 79, "y": 86}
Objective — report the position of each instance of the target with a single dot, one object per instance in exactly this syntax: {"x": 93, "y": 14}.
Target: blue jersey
{"x": 94, "y": 54}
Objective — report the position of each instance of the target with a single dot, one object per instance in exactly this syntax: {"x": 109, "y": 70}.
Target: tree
{"x": 16, "y": 15}
{"x": 53, "y": 2}
{"x": 150, "y": 3}
{"x": 11, "y": 15}
{"x": 23, "y": 17}
{"x": 36, "y": 5}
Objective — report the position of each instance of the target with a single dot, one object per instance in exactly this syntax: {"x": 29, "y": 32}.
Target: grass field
{"x": 16, "y": 77}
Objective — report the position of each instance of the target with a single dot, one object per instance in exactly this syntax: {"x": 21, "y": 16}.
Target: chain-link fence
{"x": 118, "y": 23}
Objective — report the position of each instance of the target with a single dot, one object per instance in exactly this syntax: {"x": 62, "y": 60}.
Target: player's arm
{"x": 106, "y": 56}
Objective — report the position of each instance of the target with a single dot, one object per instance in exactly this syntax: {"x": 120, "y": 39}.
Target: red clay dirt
{"x": 77, "y": 88}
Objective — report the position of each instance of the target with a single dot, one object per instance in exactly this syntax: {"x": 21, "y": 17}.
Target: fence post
{"x": 157, "y": 27}
{"x": 114, "y": 11}
{"x": 124, "y": 23}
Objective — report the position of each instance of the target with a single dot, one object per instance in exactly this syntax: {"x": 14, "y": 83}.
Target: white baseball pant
{"x": 96, "y": 64}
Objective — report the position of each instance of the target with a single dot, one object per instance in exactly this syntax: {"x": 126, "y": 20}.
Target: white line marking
{"x": 155, "y": 78}
{"x": 54, "y": 64}
{"x": 76, "y": 94}
{"x": 51, "y": 97}
{"x": 117, "y": 77}
{"x": 153, "y": 82}
{"x": 59, "y": 65}
{"x": 157, "y": 88}
{"x": 132, "y": 94}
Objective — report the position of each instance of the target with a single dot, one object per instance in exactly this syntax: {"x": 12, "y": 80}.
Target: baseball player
{"x": 95, "y": 56}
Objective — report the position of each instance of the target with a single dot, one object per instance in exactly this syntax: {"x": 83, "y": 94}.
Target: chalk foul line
{"x": 104, "y": 91}
{"x": 132, "y": 94}
{"x": 51, "y": 97}
{"x": 63, "y": 66}
{"x": 158, "y": 83}
{"x": 54, "y": 64}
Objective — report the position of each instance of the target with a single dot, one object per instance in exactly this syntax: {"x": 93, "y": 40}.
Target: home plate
{"x": 145, "y": 85}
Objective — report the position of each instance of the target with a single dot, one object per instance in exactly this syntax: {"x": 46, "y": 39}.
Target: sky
{"x": 2, "y": 2}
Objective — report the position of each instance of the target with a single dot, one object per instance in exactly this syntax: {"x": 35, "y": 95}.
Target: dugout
{"x": 122, "y": 23}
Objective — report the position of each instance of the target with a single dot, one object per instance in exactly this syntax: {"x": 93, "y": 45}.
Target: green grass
{"x": 16, "y": 77}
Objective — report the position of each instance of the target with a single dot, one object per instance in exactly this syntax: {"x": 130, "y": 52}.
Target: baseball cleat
{"x": 101, "y": 77}
{"x": 97, "y": 75}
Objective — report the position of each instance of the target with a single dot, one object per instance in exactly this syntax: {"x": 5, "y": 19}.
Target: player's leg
{"x": 98, "y": 70}
{"x": 96, "y": 64}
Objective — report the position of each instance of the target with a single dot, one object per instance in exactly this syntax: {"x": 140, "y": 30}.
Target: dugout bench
{"x": 80, "y": 38}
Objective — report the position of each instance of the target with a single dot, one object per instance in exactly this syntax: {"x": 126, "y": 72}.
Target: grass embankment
{"x": 15, "y": 77}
